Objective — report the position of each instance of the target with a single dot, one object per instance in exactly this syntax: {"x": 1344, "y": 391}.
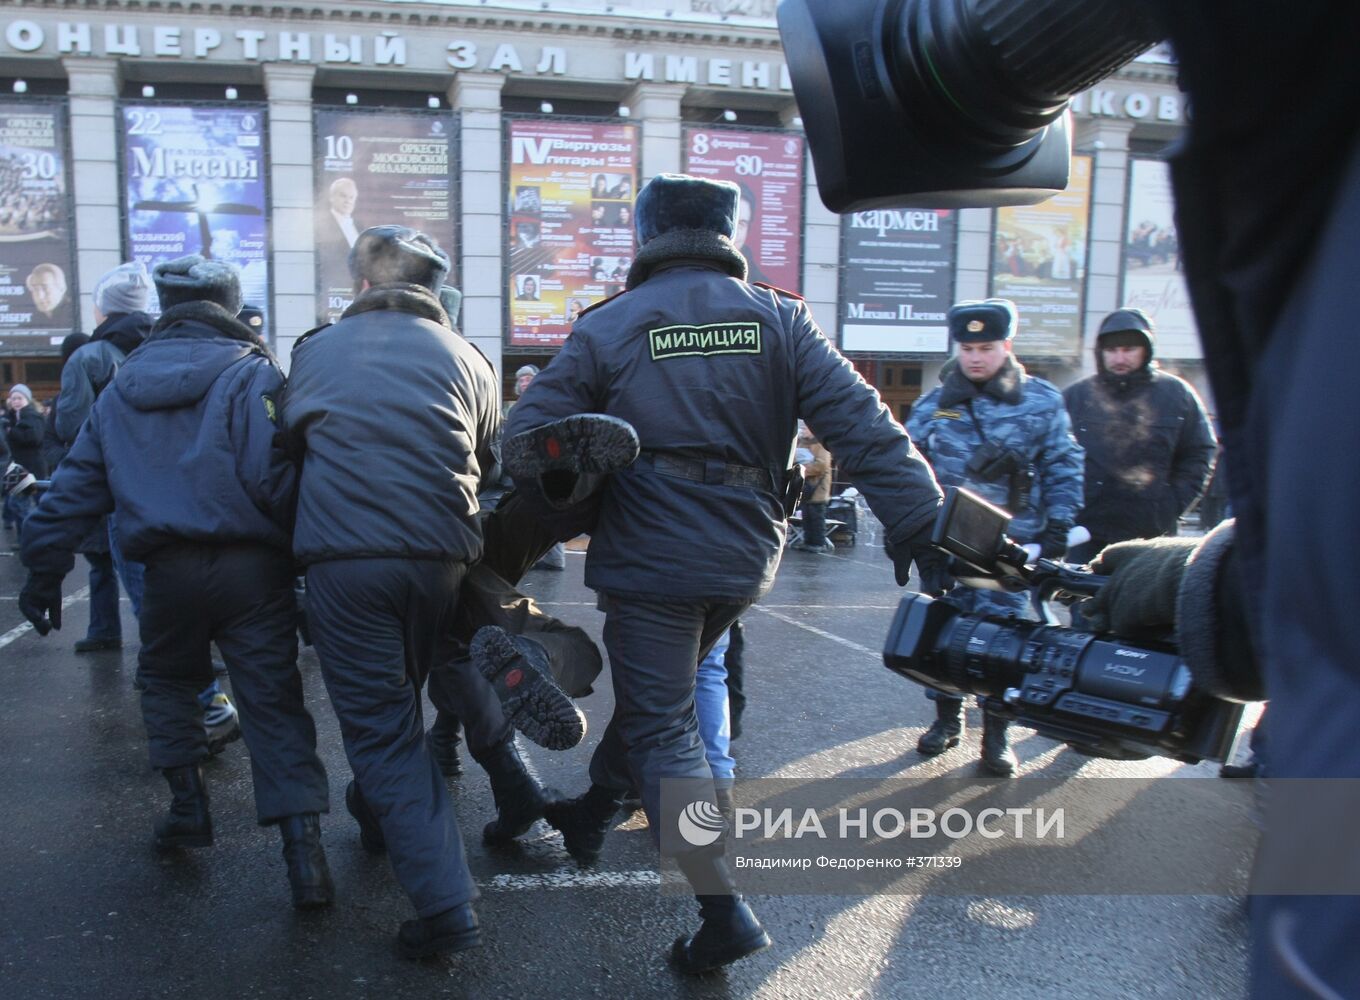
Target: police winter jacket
{"x": 397, "y": 417}
{"x": 1017, "y": 412}
{"x": 708, "y": 367}
{"x": 183, "y": 442}
{"x": 92, "y": 367}
{"x": 1149, "y": 450}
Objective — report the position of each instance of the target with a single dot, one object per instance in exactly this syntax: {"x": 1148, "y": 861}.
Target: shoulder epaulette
{"x": 316, "y": 329}
{"x": 595, "y": 305}
{"x": 777, "y": 290}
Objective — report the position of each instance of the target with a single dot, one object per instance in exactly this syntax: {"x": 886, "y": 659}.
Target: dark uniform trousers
{"x": 241, "y": 597}
{"x": 654, "y": 651}
{"x": 380, "y": 625}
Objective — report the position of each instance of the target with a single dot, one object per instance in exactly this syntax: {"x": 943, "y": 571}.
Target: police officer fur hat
{"x": 451, "y": 299}
{"x": 253, "y": 317}
{"x": 383, "y": 255}
{"x": 678, "y": 201}
{"x": 196, "y": 279}
{"x": 973, "y": 321}
{"x": 1127, "y": 327}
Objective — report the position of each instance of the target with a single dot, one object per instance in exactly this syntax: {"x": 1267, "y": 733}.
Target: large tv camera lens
{"x": 1100, "y": 694}
{"x": 949, "y": 103}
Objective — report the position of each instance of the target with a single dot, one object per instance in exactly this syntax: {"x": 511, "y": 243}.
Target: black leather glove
{"x": 40, "y": 601}
{"x": 1145, "y": 579}
{"x": 1053, "y": 542}
{"x": 931, "y": 563}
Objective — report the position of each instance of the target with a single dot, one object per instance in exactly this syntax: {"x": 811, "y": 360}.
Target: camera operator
{"x": 1005, "y": 434}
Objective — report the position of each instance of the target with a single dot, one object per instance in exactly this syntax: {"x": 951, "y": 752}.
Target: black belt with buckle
{"x": 712, "y": 471}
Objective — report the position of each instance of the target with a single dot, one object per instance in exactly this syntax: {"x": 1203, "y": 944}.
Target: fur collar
{"x": 174, "y": 324}
{"x": 400, "y": 297}
{"x": 1006, "y": 386}
{"x": 683, "y": 245}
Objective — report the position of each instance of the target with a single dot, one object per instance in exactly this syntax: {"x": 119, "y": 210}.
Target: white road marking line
{"x": 570, "y": 878}
{"x": 822, "y": 633}
{"x": 26, "y": 627}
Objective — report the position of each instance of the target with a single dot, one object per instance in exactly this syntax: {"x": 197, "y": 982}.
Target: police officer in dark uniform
{"x": 184, "y": 442}
{"x": 386, "y": 528}
{"x": 713, "y": 373}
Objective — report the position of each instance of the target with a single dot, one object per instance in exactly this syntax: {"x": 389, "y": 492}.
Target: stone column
{"x": 656, "y": 108}
{"x": 821, "y": 252}
{"x": 1109, "y": 139}
{"x": 973, "y": 261}
{"x": 477, "y": 99}
{"x": 292, "y": 196}
{"x": 98, "y": 231}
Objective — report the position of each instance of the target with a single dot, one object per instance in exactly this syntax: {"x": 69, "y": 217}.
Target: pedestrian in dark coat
{"x": 185, "y": 443}
{"x": 24, "y": 425}
{"x": 1149, "y": 444}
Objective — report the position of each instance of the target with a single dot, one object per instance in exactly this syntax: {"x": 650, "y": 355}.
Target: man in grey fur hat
{"x": 184, "y": 442}
{"x": 386, "y": 553}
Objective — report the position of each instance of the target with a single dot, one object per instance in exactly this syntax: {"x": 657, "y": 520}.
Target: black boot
{"x": 444, "y": 741}
{"x": 370, "y": 830}
{"x": 726, "y": 804}
{"x": 521, "y": 674}
{"x": 188, "y": 824}
{"x": 308, "y": 873}
{"x": 584, "y": 821}
{"x": 730, "y": 930}
{"x": 945, "y": 731}
{"x": 997, "y": 756}
{"x": 453, "y": 930}
{"x": 519, "y": 798}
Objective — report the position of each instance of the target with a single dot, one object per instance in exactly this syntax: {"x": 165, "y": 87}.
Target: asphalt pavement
{"x": 88, "y": 909}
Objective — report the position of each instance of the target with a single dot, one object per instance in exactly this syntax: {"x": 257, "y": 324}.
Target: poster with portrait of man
{"x": 768, "y": 168}
{"x": 378, "y": 167}
{"x": 37, "y": 276}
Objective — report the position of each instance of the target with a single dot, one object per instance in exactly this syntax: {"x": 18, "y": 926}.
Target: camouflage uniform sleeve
{"x": 1062, "y": 467}
{"x": 918, "y": 421}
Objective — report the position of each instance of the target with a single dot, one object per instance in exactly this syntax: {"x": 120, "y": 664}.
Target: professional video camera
{"x": 1104, "y": 695}
{"x": 949, "y": 103}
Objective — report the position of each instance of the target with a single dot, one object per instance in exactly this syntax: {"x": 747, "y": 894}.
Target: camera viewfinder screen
{"x": 970, "y": 528}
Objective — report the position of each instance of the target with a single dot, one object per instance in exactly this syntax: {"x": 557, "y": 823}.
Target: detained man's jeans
{"x": 105, "y": 622}
{"x": 710, "y": 704}
{"x": 131, "y": 573}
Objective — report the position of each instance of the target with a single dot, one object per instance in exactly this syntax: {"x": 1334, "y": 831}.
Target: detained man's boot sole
{"x": 687, "y": 962}
{"x": 584, "y": 443}
{"x": 532, "y": 700}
